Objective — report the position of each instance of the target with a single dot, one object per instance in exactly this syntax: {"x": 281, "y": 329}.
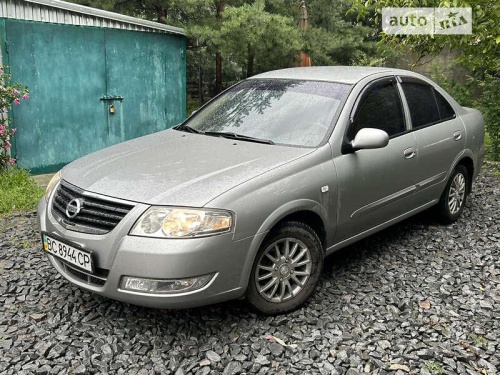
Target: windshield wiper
{"x": 187, "y": 128}
{"x": 239, "y": 137}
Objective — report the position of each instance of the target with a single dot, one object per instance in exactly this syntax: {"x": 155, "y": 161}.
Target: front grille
{"x": 97, "y": 215}
{"x": 97, "y": 279}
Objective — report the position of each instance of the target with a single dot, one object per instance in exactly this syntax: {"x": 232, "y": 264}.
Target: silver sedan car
{"x": 250, "y": 193}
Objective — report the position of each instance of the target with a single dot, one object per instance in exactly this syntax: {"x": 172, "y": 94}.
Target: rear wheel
{"x": 286, "y": 269}
{"x": 452, "y": 201}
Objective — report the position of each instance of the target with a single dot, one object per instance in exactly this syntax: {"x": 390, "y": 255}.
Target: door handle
{"x": 457, "y": 135}
{"x": 409, "y": 153}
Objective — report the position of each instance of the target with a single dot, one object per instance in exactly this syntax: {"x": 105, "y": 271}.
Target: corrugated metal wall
{"x": 76, "y": 72}
{"x": 73, "y": 14}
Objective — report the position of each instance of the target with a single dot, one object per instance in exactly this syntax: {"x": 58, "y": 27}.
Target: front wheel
{"x": 452, "y": 201}
{"x": 286, "y": 269}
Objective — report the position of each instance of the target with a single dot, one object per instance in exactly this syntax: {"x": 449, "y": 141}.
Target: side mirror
{"x": 368, "y": 138}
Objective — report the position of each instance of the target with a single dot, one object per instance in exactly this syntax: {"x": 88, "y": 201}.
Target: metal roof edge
{"x": 77, "y": 8}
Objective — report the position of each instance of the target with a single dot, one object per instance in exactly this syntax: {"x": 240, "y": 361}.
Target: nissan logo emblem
{"x": 73, "y": 208}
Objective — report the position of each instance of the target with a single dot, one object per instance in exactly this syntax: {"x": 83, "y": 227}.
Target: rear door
{"x": 376, "y": 185}
{"x": 439, "y": 133}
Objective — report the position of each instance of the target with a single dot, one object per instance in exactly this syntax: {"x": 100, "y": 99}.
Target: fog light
{"x": 155, "y": 286}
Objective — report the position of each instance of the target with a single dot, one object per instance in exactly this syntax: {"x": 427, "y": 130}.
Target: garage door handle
{"x": 457, "y": 135}
{"x": 409, "y": 153}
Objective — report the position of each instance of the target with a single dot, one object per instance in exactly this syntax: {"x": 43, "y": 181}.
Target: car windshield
{"x": 287, "y": 112}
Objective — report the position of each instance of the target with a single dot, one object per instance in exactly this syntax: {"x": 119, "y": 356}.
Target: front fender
{"x": 271, "y": 221}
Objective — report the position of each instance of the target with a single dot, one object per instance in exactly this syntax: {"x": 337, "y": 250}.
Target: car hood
{"x": 176, "y": 168}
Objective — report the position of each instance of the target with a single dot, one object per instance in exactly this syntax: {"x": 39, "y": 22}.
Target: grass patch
{"x": 434, "y": 368}
{"x": 18, "y": 191}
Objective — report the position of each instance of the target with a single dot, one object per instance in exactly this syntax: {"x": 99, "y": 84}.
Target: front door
{"x": 376, "y": 185}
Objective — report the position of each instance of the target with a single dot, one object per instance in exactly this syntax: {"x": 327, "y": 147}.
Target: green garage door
{"x": 91, "y": 88}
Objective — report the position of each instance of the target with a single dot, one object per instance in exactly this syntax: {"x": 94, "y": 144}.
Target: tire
{"x": 453, "y": 199}
{"x": 286, "y": 269}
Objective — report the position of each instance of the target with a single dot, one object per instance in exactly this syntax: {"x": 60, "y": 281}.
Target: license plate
{"x": 78, "y": 257}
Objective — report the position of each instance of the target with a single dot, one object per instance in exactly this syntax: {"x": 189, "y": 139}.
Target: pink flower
{"x": 1, "y": 71}
{"x": 26, "y": 96}
{"x": 15, "y": 92}
{"x": 5, "y": 110}
{"x": 7, "y": 144}
{"x": 14, "y": 130}
{"x": 17, "y": 101}
{"x": 12, "y": 161}
{"x": 2, "y": 132}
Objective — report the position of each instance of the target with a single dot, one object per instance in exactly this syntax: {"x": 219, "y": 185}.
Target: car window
{"x": 290, "y": 112}
{"x": 380, "y": 107}
{"x": 426, "y": 105}
{"x": 446, "y": 111}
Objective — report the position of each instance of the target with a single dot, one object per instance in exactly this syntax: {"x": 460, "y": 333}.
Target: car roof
{"x": 341, "y": 74}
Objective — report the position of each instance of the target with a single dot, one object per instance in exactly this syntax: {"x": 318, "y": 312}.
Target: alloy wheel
{"x": 457, "y": 193}
{"x": 283, "y": 270}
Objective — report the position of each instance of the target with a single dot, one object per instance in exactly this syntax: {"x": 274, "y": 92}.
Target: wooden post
{"x": 305, "y": 59}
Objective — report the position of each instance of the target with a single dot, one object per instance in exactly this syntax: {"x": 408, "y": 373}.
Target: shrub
{"x": 489, "y": 102}
{"x": 478, "y": 92}
{"x": 10, "y": 93}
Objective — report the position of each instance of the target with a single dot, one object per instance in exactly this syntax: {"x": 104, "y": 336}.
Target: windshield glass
{"x": 288, "y": 112}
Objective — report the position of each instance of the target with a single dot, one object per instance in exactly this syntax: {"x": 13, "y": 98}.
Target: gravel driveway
{"x": 416, "y": 298}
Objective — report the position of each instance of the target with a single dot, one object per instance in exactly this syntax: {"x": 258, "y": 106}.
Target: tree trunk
{"x": 219, "y": 7}
{"x": 218, "y": 73}
{"x": 160, "y": 14}
{"x": 201, "y": 97}
{"x": 250, "y": 62}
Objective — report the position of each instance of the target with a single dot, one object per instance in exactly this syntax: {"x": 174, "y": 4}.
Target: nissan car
{"x": 247, "y": 196}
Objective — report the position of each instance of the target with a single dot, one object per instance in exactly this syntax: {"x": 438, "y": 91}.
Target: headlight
{"x": 172, "y": 222}
{"x": 52, "y": 183}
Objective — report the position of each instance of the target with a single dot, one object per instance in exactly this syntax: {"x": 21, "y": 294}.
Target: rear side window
{"x": 446, "y": 112}
{"x": 427, "y": 106}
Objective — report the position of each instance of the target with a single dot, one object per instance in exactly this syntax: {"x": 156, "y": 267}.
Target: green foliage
{"x": 18, "y": 191}
{"x": 480, "y": 341}
{"x": 479, "y": 51}
{"x": 257, "y": 39}
{"x": 337, "y": 39}
{"x": 250, "y": 38}
{"x": 463, "y": 90}
{"x": 172, "y": 12}
{"x": 264, "y": 36}
{"x": 434, "y": 368}
{"x": 490, "y": 107}
{"x": 192, "y": 105}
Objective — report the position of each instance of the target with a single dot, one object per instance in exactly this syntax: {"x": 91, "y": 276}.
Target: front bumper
{"x": 116, "y": 254}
